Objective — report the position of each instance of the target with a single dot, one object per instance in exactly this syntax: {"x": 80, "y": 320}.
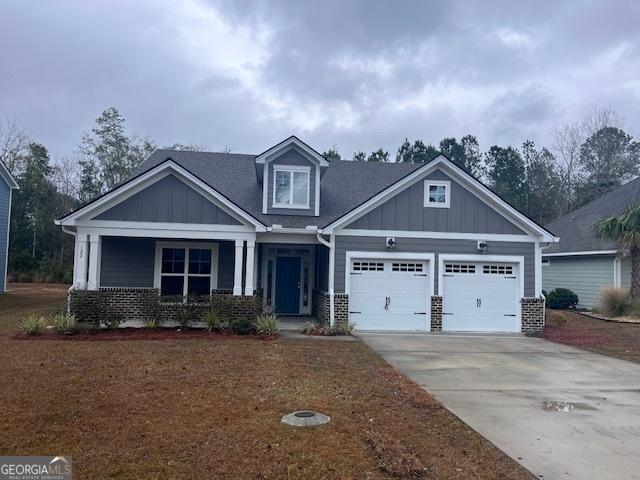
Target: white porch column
{"x": 95, "y": 244}
{"x": 332, "y": 279}
{"x": 80, "y": 261}
{"x": 237, "y": 271}
{"x": 250, "y": 277}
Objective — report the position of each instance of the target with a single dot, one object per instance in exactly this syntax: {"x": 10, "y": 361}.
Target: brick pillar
{"x": 532, "y": 314}
{"x": 341, "y": 308}
{"x": 436, "y": 313}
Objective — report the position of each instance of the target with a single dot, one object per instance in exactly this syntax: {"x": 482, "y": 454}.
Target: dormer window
{"x": 291, "y": 186}
{"x": 437, "y": 194}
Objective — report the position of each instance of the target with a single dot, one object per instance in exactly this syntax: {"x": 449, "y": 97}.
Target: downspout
{"x": 331, "y": 244}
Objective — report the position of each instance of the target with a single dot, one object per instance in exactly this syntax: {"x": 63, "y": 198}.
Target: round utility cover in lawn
{"x": 305, "y": 418}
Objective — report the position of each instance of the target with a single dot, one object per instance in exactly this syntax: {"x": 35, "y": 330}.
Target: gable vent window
{"x": 368, "y": 266}
{"x": 291, "y": 187}
{"x": 459, "y": 268}
{"x": 437, "y": 193}
{"x": 407, "y": 267}
{"x": 497, "y": 269}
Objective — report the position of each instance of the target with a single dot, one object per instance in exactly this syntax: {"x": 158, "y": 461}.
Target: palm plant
{"x": 625, "y": 231}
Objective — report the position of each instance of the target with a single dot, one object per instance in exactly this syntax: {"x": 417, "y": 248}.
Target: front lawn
{"x": 24, "y": 298}
{"x": 211, "y": 408}
{"x": 620, "y": 340}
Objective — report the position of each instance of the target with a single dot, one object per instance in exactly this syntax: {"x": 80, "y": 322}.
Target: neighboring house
{"x": 7, "y": 185}
{"x": 580, "y": 261}
{"x": 386, "y": 246}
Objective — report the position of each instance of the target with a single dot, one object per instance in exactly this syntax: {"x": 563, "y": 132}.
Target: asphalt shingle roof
{"x": 344, "y": 186}
{"x": 575, "y": 228}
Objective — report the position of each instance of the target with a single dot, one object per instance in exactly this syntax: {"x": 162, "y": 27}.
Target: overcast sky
{"x": 354, "y": 74}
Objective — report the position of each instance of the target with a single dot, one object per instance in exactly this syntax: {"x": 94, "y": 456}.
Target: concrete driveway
{"x": 499, "y": 385}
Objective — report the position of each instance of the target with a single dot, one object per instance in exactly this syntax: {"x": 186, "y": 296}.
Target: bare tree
{"x": 568, "y": 139}
{"x": 13, "y": 145}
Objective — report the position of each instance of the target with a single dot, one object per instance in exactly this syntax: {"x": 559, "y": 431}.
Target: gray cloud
{"x": 358, "y": 74}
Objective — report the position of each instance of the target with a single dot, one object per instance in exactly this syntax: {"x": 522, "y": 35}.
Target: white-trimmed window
{"x": 437, "y": 193}
{"x": 291, "y": 186}
{"x": 187, "y": 269}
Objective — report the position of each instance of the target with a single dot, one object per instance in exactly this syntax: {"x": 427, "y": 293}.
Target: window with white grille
{"x": 407, "y": 267}
{"x": 497, "y": 269}
{"x": 360, "y": 266}
{"x": 459, "y": 268}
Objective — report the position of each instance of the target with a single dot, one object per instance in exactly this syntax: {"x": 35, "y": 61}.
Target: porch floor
{"x": 294, "y": 322}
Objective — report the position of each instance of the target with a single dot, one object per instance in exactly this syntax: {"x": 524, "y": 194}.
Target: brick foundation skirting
{"x": 532, "y": 314}
{"x": 436, "y": 313}
{"x": 143, "y": 303}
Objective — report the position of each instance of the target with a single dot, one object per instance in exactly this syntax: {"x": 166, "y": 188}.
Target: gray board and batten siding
{"x": 5, "y": 213}
{"x": 130, "y": 262}
{"x": 168, "y": 200}
{"x": 406, "y": 211}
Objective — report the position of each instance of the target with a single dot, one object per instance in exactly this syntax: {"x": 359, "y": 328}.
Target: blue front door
{"x": 288, "y": 285}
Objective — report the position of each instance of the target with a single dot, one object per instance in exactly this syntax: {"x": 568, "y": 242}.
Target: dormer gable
{"x": 290, "y": 174}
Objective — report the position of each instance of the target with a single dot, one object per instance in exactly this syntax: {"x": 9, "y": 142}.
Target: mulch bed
{"x": 211, "y": 407}
{"x": 617, "y": 339}
{"x": 138, "y": 334}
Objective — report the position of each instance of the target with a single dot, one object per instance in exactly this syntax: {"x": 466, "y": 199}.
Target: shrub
{"x": 345, "y": 328}
{"x": 64, "y": 323}
{"x": 562, "y": 298}
{"x": 309, "y": 328}
{"x": 32, "y": 324}
{"x": 614, "y": 302}
{"x": 266, "y": 324}
{"x": 326, "y": 329}
{"x": 241, "y": 326}
{"x": 152, "y": 312}
{"x": 185, "y": 314}
{"x": 214, "y": 321}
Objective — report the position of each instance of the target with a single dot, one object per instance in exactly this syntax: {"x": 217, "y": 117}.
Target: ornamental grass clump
{"x": 266, "y": 324}
{"x": 214, "y": 321}
{"x": 64, "y": 323}
{"x": 33, "y": 324}
{"x": 614, "y": 302}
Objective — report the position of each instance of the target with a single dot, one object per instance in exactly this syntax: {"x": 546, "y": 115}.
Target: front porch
{"x": 267, "y": 276}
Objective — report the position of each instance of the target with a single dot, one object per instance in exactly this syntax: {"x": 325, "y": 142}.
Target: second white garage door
{"x": 480, "y": 297}
{"x": 389, "y": 294}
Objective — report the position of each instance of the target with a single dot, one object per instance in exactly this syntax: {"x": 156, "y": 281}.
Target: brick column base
{"x": 436, "y": 313}
{"x": 532, "y": 314}
{"x": 341, "y": 308}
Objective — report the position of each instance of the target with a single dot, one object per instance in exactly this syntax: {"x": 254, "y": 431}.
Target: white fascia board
{"x": 288, "y": 238}
{"x": 158, "y": 172}
{"x": 309, "y": 230}
{"x": 287, "y": 144}
{"x": 472, "y": 185}
{"x": 150, "y": 231}
{"x": 583, "y": 253}
{"x": 6, "y": 174}
{"x": 490, "y": 237}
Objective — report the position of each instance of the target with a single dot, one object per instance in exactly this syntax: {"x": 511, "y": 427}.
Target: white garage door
{"x": 480, "y": 297}
{"x": 389, "y": 294}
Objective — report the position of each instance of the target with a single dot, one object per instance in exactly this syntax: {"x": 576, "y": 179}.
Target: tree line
{"x": 586, "y": 159}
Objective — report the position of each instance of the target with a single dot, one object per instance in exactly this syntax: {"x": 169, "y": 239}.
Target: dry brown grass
{"x": 620, "y": 340}
{"x": 25, "y": 298}
{"x": 207, "y": 406}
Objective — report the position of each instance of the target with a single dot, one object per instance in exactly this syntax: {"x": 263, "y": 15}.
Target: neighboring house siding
{"x": 292, "y": 157}
{"x": 168, "y": 200}
{"x": 406, "y": 211}
{"x": 584, "y": 275}
{"x": 5, "y": 195}
{"x": 130, "y": 262}
{"x": 437, "y": 246}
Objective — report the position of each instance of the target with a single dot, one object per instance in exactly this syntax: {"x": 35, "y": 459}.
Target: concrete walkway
{"x": 506, "y": 388}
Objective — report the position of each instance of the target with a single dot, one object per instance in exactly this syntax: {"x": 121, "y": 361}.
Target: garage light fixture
{"x": 483, "y": 246}
{"x": 390, "y": 243}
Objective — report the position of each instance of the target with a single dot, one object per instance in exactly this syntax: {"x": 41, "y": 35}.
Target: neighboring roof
{"x": 345, "y": 185}
{"x": 6, "y": 174}
{"x": 575, "y": 229}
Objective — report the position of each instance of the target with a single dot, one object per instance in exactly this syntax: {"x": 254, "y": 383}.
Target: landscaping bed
{"x": 23, "y": 298}
{"x": 211, "y": 408}
{"x": 617, "y": 339}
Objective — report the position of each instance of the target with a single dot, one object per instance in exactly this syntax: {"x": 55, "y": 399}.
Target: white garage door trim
{"x": 428, "y": 257}
{"x": 517, "y": 259}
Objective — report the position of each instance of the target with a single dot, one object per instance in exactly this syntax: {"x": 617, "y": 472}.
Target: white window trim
{"x": 157, "y": 275}
{"x": 447, "y": 193}
{"x": 291, "y": 169}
